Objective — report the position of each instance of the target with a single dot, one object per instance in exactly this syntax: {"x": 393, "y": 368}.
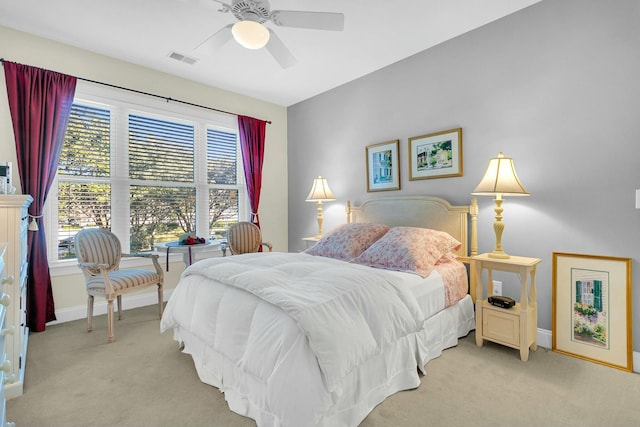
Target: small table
{"x": 516, "y": 327}
{"x": 310, "y": 241}
{"x": 188, "y": 251}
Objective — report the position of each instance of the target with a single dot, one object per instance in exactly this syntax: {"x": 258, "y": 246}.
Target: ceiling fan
{"x": 250, "y": 32}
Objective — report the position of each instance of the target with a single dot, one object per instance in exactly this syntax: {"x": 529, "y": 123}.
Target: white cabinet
{"x": 5, "y": 363}
{"x": 14, "y": 220}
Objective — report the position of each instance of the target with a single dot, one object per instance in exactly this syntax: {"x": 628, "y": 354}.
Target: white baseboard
{"x": 544, "y": 340}
{"x": 100, "y": 306}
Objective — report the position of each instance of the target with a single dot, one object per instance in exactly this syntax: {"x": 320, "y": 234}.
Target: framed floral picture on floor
{"x": 591, "y": 308}
{"x": 383, "y": 166}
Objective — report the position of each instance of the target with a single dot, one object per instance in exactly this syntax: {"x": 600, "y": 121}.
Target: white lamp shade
{"x": 500, "y": 178}
{"x": 250, "y": 34}
{"x": 320, "y": 191}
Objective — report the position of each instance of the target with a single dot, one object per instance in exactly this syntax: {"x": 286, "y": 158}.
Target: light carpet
{"x": 75, "y": 378}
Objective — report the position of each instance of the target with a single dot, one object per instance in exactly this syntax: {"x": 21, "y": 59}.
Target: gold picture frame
{"x": 436, "y": 155}
{"x": 383, "y": 166}
{"x": 591, "y": 309}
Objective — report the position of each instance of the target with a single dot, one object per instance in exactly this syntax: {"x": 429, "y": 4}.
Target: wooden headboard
{"x": 426, "y": 212}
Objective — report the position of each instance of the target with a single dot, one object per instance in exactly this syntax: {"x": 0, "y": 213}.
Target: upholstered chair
{"x": 99, "y": 253}
{"x": 244, "y": 237}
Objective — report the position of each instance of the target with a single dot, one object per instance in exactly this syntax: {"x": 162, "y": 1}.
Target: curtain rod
{"x": 166, "y": 98}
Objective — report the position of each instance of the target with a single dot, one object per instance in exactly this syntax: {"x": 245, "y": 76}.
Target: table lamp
{"x": 320, "y": 192}
{"x": 500, "y": 180}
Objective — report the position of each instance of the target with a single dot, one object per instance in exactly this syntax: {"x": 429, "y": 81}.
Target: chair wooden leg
{"x": 110, "y": 319}
{"x": 90, "y": 313}
{"x": 160, "y": 298}
{"x": 119, "y": 297}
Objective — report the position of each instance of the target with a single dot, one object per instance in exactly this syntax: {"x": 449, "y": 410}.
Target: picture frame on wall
{"x": 436, "y": 155}
{"x": 383, "y": 166}
{"x": 591, "y": 308}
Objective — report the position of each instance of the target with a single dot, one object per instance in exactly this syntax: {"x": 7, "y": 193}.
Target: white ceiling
{"x": 377, "y": 33}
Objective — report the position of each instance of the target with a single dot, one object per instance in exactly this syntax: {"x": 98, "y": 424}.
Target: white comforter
{"x": 288, "y": 336}
{"x": 347, "y": 312}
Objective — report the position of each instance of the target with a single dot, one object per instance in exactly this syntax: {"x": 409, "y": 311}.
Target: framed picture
{"x": 383, "y": 166}
{"x": 591, "y": 309}
{"x": 436, "y": 155}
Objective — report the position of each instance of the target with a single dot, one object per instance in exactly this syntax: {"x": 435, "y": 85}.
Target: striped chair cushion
{"x": 99, "y": 246}
{"x": 121, "y": 280}
{"x": 244, "y": 237}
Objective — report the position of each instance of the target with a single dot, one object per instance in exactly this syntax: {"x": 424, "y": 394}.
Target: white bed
{"x": 297, "y": 339}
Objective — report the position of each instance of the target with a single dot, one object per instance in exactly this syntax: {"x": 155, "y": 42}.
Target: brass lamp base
{"x": 498, "y": 255}
{"x": 498, "y": 228}
{"x": 320, "y": 219}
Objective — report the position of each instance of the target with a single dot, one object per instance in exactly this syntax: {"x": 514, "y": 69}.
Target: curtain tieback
{"x": 254, "y": 218}
{"x": 33, "y": 225}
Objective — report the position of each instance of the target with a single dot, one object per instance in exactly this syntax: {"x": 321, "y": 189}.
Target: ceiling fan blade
{"x": 279, "y": 51}
{"x": 314, "y": 20}
{"x": 215, "y": 42}
{"x": 207, "y": 4}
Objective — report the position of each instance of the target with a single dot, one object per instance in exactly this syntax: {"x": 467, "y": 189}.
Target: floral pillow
{"x": 348, "y": 241}
{"x": 410, "y": 249}
{"x": 448, "y": 257}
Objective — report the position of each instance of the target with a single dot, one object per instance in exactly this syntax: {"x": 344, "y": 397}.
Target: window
{"x": 147, "y": 173}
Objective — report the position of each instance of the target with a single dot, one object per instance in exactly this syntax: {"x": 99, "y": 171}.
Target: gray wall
{"x": 555, "y": 86}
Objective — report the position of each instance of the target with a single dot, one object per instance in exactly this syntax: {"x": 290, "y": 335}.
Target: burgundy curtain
{"x": 252, "y": 133}
{"x": 40, "y": 102}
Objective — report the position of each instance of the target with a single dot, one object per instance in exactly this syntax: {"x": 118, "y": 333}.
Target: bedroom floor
{"x": 74, "y": 378}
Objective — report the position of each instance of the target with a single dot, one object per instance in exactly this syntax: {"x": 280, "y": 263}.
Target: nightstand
{"x": 310, "y": 241}
{"x": 516, "y": 327}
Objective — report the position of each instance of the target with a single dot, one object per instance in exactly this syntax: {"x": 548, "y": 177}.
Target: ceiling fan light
{"x": 250, "y": 34}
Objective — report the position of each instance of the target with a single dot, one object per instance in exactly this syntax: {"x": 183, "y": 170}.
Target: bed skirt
{"x": 360, "y": 391}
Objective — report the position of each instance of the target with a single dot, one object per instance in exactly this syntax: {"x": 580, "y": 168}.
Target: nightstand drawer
{"x": 502, "y": 325}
